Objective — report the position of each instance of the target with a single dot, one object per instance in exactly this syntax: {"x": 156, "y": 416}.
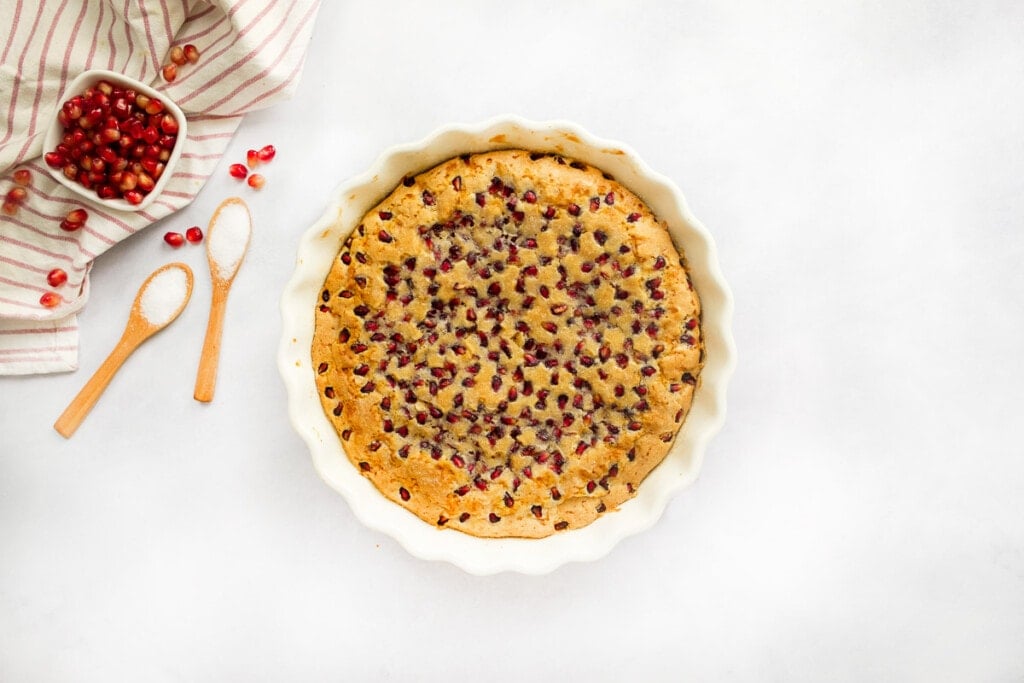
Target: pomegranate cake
{"x": 508, "y": 344}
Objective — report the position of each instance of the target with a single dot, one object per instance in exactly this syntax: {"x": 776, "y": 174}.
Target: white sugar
{"x": 229, "y": 236}
{"x": 164, "y": 296}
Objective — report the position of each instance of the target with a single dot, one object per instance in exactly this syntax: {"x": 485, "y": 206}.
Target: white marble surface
{"x": 860, "y": 517}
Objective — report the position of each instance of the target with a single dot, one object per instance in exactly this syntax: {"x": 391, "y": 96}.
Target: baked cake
{"x": 508, "y": 344}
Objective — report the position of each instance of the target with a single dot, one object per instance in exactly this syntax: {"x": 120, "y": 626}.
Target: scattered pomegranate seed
{"x": 56, "y": 277}
{"x": 191, "y": 53}
{"x": 77, "y": 216}
{"x": 238, "y": 171}
{"x": 175, "y": 239}
{"x": 70, "y": 226}
{"x": 50, "y": 299}
{"x": 256, "y": 181}
{"x": 17, "y": 195}
{"x": 267, "y": 153}
{"x": 23, "y": 177}
{"x": 169, "y": 72}
{"x": 252, "y": 158}
{"x": 194, "y": 234}
{"x": 178, "y": 55}
{"x": 10, "y": 208}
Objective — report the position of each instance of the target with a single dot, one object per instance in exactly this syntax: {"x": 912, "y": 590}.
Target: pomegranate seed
{"x": 169, "y": 72}
{"x": 69, "y": 226}
{"x": 194, "y": 234}
{"x": 54, "y": 159}
{"x": 178, "y": 55}
{"x": 252, "y": 158}
{"x": 175, "y": 239}
{"x": 9, "y": 208}
{"x": 17, "y": 195}
{"x": 267, "y": 153}
{"x": 169, "y": 125}
{"x": 133, "y": 197}
{"x": 404, "y": 493}
{"x": 256, "y": 181}
{"x": 56, "y": 277}
{"x": 191, "y": 53}
{"x": 238, "y": 171}
{"x": 146, "y": 182}
{"x": 128, "y": 181}
{"x": 23, "y": 177}
{"x": 50, "y": 299}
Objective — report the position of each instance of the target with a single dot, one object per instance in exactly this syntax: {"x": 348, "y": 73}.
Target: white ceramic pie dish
{"x": 317, "y": 250}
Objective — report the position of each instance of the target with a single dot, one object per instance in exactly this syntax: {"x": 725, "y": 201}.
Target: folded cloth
{"x": 252, "y": 52}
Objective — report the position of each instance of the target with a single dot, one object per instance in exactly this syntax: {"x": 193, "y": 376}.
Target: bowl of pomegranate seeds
{"x": 507, "y": 345}
{"x": 114, "y": 140}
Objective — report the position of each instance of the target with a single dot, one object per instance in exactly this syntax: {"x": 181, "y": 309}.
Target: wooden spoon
{"x": 154, "y": 308}
{"x": 227, "y": 239}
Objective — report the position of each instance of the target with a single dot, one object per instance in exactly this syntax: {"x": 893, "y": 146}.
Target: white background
{"x": 860, "y": 516}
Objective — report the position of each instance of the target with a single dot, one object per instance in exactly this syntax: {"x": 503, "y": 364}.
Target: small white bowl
{"x": 56, "y": 131}
{"x": 320, "y": 245}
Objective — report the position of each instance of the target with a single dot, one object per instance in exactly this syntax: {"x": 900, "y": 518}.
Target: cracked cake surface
{"x": 508, "y": 344}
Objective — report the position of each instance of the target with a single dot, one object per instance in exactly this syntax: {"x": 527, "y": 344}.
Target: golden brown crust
{"x": 508, "y": 344}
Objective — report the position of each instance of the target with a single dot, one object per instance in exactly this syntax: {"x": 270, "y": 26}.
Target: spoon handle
{"x": 81, "y": 404}
{"x": 206, "y": 377}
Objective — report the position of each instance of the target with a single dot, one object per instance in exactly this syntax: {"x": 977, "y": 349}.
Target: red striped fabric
{"x": 252, "y": 55}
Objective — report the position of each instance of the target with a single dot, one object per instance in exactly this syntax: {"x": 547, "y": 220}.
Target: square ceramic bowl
{"x": 55, "y": 132}
{"x": 319, "y": 247}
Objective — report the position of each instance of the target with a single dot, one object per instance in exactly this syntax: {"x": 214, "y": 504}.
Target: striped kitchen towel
{"x": 252, "y": 52}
